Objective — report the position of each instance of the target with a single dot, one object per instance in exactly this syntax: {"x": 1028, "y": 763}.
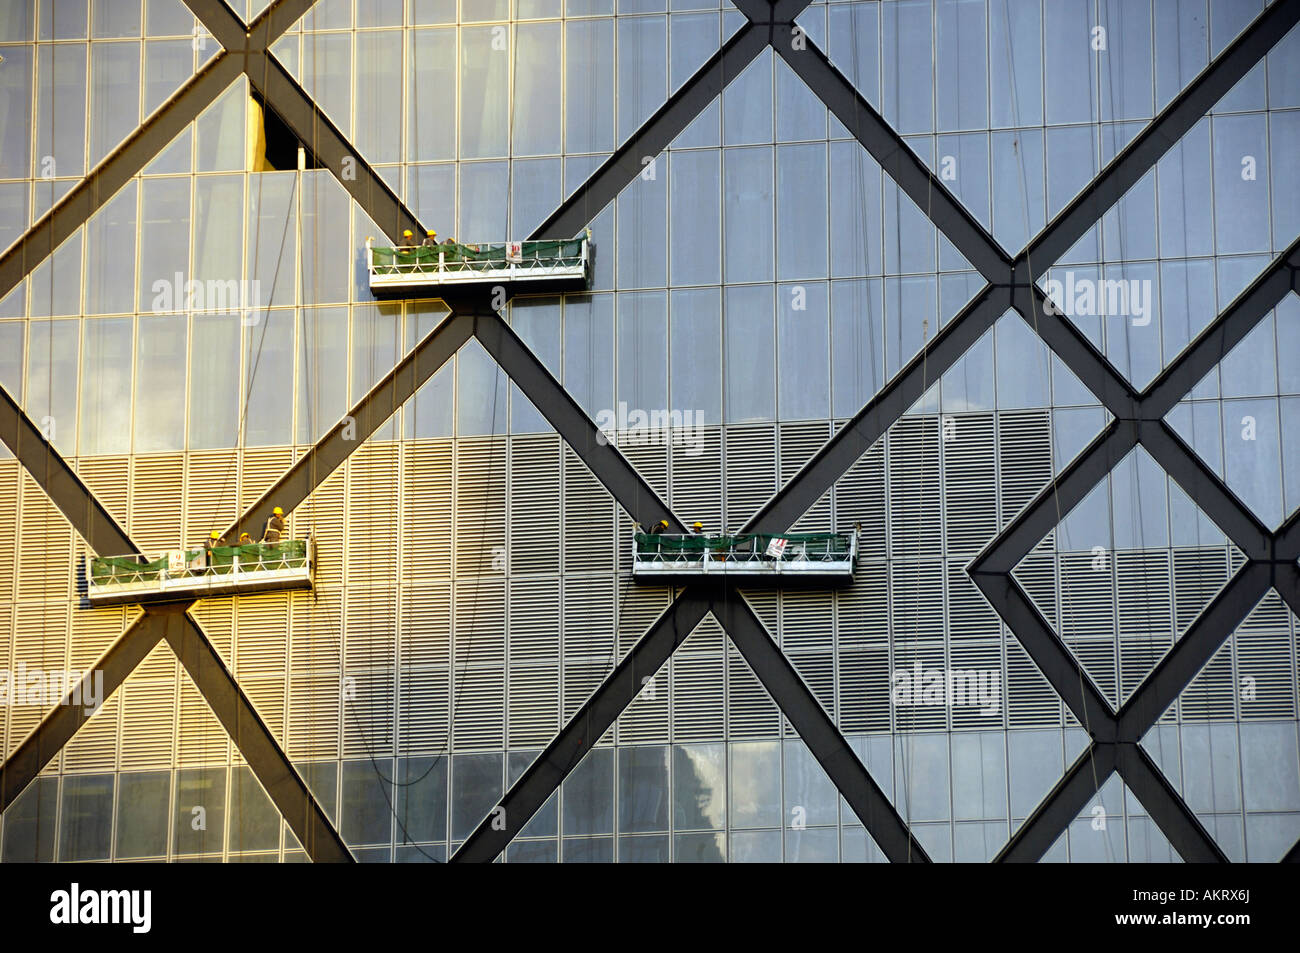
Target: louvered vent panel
{"x": 1236, "y": 558}
{"x": 698, "y": 684}
{"x": 534, "y": 505}
{"x": 314, "y": 706}
{"x": 40, "y": 637}
{"x": 864, "y": 689}
{"x": 1199, "y": 574}
{"x": 645, "y": 721}
{"x": 479, "y": 714}
{"x": 95, "y": 745}
{"x": 817, "y": 669}
{"x": 478, "y": 680}
{"x": 766, "y": 605}
{"x": 862, "y": 611}
{"x": 1212, "y": 693}
{"x": 969, "y": 615}
{"x": 1146, "y": 624}
{"x": 316, "y": 631}
{"x": 424, "y": 698}
{"x": 200, "y": 739}
{"x": 916, "y": 590}
{"x": 44, "y": 547}
{"x": 322, "y": 515}
{"x": 268, "y": 697}
{"x": 156, "y": 517}
{"x": 261, "y": 468}
{"x": 983, "y": 682}
{"x": 210, "y": 498}
{"x": 588, "y": 520}
{"x": 426, "y": 510}
{"x": 652, "y": 464}
{"x": 860, "y": 500}
{"x": 9, "y": 522}
{"x": 1024, "y": 458}
{"x": 480, "y": 519}
{"x": 148, "y": 721}
{"x": 534, "y": 655}
{"x": 1030, "y": 701}
{"x": 588, "y": 639}
{"x": 799, "y": 443}
{"x": 914, "y": 505}
{"x": 806, "y": 620}
{"x": 261, "y": 634}
{"x": 914, "y": 710}
{"x": 373, "y": 532}
{"x": 1036, "y": 574}
{"x": 969, "y": 483}
{"x": 368, "y": 714}
{"x": 1266, "y": 655}
{"x": 1088, "y": 624}
{"x": 370, "y": 632}
{"x": 216, "y": 618}
{"x": 751, "y": 470}
{"x": 426, "y": 626}
{"x": 751, "y": 713}
{"x": 109, "y": 479}
{"x": 94, "y": 630}
{"x": 696, "y": 494}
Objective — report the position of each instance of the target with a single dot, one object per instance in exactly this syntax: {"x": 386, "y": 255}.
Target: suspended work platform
{"x": 658, "y": 557}
{"x": 195, "y": 573}
{"x": 416, "y": 269}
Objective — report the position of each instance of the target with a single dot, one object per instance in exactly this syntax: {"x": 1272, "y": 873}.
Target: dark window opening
{"x": 273, "y": 146}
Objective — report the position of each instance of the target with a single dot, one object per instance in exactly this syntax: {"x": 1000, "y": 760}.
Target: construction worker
{"x": 697, "y": 528}
{"x": 430, "y": 239}
{"x": 214, "y": 539}
{"x": 657, "y": 528}
{"x": 245, "y": 539}
{"x": 274, "y": 526}
{"x": 407, "y": 238}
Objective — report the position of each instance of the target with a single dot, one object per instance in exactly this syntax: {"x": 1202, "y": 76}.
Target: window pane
{"x": 86, "y": 818}
{"x": 268, "y": 364}
{"x": 750, "y": 354}
{"x": 214, "y": 381}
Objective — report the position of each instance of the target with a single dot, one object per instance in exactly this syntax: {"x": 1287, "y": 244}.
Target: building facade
{"x": 819, "y": 228}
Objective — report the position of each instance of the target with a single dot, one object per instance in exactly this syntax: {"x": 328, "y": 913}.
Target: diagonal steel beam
{"x": 1163, "y": 132}
{"x": 1058, "y": 664}
{"x": 817, "y": 731}
{"x": 571, "y": 422}
{"x": 1170, "y": 812}
{"x": 361, "y": 420}
{"x": 914, "y": 177}
{"x": 586, "y": 727}
{"x": 317, "y": 132}
{"x": 268, "y": 762}
{"x": 255, "y": 743}
{"x": 57, "y": 727}
{"x": 140, "y": 148}
{"x": 654, "y": 136}
{"x": 1066, "y": 801}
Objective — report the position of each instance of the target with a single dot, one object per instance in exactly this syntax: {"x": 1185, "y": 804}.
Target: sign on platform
{"x": 776, "y": 548}
{"x": 514, "y": 251}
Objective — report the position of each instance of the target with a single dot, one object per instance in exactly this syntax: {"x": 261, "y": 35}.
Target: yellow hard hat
{"x": 663, "y": 523}
{"x": 698, "y": 525}
{"x": 431, "y": 233}
{"x": 215, "y": 535}
{"x": 277, "y": 511}
{"x": 406, "y": 233}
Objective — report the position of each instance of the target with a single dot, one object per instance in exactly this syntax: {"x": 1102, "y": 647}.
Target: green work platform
{"x": 182, "y": 574}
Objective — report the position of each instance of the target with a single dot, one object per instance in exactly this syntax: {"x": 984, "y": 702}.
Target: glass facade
{"x": 765, "y": 274}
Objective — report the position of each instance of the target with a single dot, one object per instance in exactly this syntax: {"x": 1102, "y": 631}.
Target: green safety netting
{"x": 828, "y": 545}
{"x": 388, "y": 261}
{"x": 221, "y": 560}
